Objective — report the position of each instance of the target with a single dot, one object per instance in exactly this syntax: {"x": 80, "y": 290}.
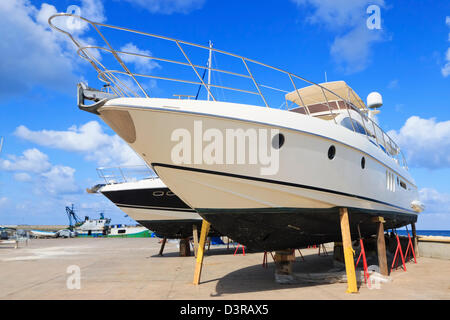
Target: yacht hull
{"x": 300, "y": 215}
{"x": 280, "y": 228}
{"x": 296, "y": 204}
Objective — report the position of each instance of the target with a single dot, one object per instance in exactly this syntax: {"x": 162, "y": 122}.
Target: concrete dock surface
{"x": 130, "y": 268}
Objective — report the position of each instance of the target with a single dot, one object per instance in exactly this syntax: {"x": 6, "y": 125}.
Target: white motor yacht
{"x": 270, "y": 173}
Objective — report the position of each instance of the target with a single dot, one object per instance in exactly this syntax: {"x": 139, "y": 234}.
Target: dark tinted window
{"x": 347, "y": 123}
{"x": 331, "y": 152}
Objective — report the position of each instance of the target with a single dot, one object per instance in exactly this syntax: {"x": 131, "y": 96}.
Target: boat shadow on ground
{"x": 210, "y": 252}
{"x": 313, "y": 271}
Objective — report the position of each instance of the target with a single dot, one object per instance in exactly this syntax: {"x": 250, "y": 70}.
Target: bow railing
{"x": 121, "y": 174}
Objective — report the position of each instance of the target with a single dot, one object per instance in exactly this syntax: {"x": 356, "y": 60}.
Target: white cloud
{"x": 85, "y": 138}
{"x": 169, "y": 6}
{"x": 46, "y": 11}
{"x": 425, "y": 142}
{"x": 22, "y": 177}
{"x": 435, "y": 201}
{"x": 352, "y": 46}
{"x": 33, "y": 54}
{"x": 60, "y": 179}
{"x": 93, "y": 10}
{"x": 115, "y": 153}
{"x": 143, "y": 65}
{"x": 53, "y": 179}
{"x": 393, "y": 84}
{"x": 30, "y": 53}
{"x": 446, "y": 68}
{"x": 352, "y": 51}
{"x": 3, "y": 201}
{"x": 338, "y": 13}
{"x": 88, "y": 139}
{"x": 32, "y": 160}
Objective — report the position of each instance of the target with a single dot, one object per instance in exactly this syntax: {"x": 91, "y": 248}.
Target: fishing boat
{"x": 269, "y": 167}
{"x": 93, "y": 227}
{"x": 138, "y": 192}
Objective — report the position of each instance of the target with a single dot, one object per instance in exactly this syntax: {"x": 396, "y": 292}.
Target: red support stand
{"x": 265, "y": 259}
{"x": 396, "y": 256}
{"x": 363, "y": 255}
{"x": 301, "y": 255}
{"x": 243, "y": 250}
{"x": 410, "y": 249}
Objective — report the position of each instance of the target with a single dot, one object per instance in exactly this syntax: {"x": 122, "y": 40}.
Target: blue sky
{"x": 52, "y": 149}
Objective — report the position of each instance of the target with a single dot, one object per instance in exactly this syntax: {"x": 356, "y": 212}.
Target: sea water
{"x": 441, "y": 233}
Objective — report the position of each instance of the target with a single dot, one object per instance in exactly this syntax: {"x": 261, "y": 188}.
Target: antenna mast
{"x": 209, "y": 68}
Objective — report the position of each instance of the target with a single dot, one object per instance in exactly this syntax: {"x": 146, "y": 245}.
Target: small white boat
{"x": 43, "y": 234}
{"x": 122, "y": 231}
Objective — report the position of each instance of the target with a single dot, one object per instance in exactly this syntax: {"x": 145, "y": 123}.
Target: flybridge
{"x": 242, "y": 81}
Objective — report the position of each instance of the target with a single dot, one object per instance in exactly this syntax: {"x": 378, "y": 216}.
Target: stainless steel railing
{"x": 121, "y": 174}
{"x": 120, "y": 86}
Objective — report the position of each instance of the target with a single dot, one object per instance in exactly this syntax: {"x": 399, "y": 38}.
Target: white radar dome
{"x": 374, "y": 100}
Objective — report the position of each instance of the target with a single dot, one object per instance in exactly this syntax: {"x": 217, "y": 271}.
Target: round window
{"x": 278, "y": 141}
{"x": 331, "y": 152}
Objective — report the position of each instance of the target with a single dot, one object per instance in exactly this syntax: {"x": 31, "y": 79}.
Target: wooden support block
{"x": 185, "y": 247}
{"x": 283, "y": 262}
{"x": 200, "y": 252}
{"x": 378, "y": 219}
{"x": 195, "y": 237}
{"x": 284, "y": 256}
{"x": 338, "y": 252}
{"x": 381, "y": 250}
{"x": 415, "y": 240}
{"x": 348, "y": 251}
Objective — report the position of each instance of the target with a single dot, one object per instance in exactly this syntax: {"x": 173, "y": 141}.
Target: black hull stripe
{"x": 146, "y": 198}
{"x": 153, "y": 208}
{"x": 290, "y": 184}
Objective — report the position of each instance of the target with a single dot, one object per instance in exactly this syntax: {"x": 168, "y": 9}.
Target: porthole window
{"x": 331, "y": 152}
{"x": 158, "y": 193}
{"x": 363, "y": 162}
{"x": 278, "y": 141}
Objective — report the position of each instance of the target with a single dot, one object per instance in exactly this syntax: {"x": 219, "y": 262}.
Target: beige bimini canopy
{"x": 314, "y": 94}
